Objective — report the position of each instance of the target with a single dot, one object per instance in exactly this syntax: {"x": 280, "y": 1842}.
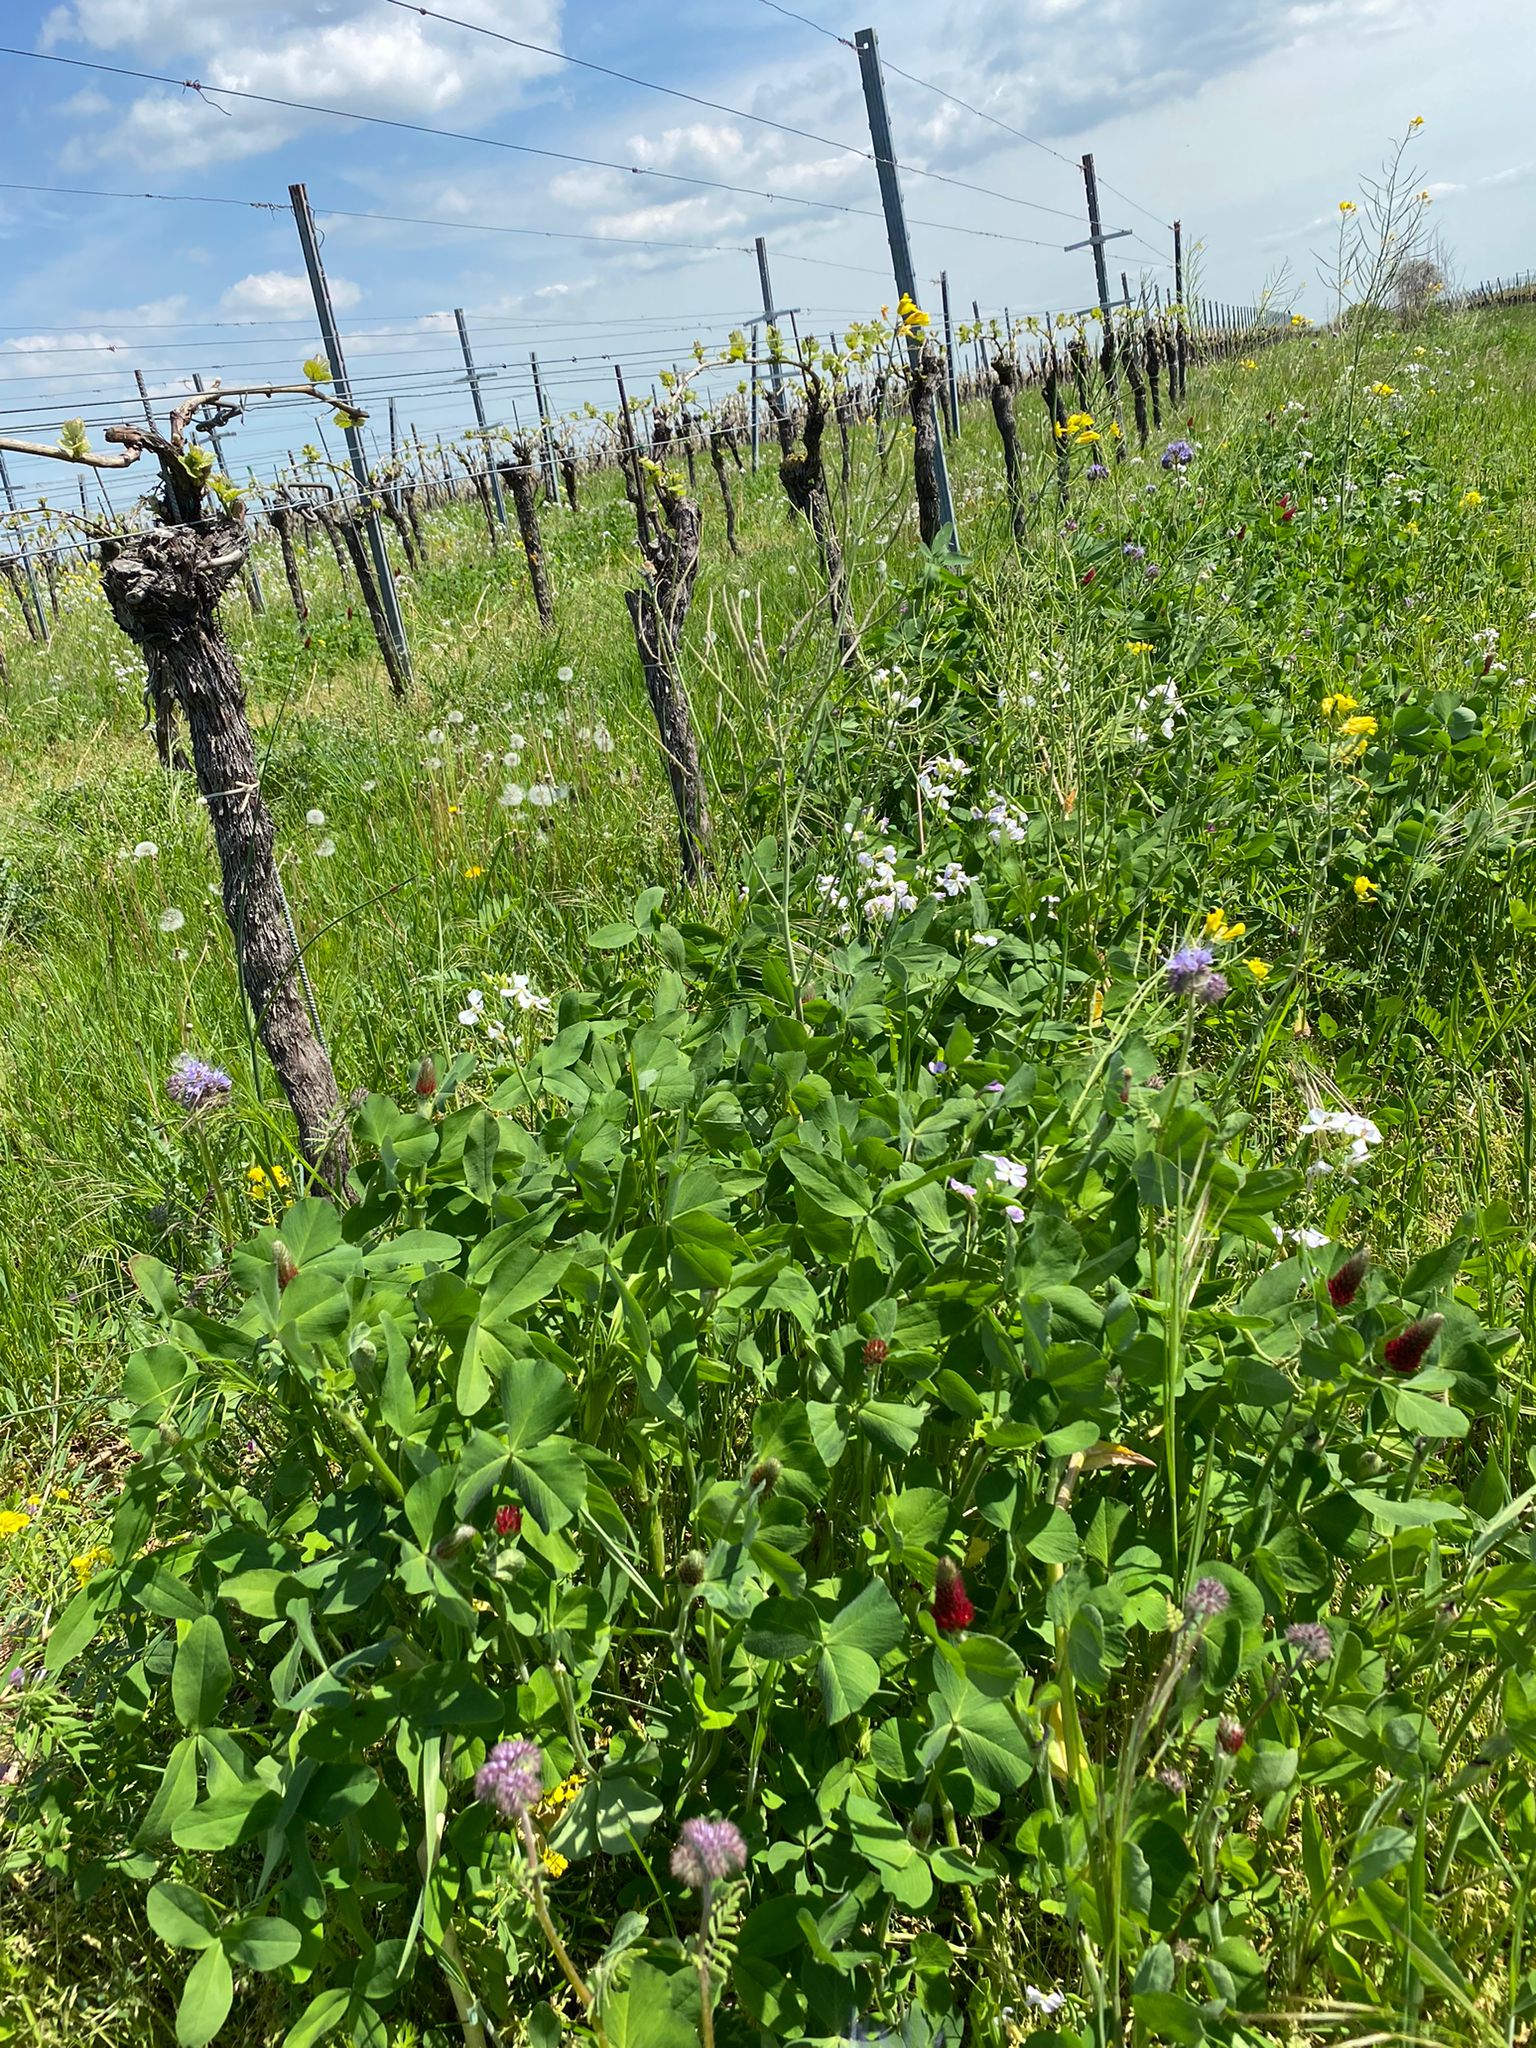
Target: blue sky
{"x": 1249, "y": 118}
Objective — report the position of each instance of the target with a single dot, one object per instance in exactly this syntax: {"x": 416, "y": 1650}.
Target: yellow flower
{"x": 473, "y": 874}
{"x": 453, "y": 810}
{"x": 1249, "y": 363}
{"x": 90, "y": 1562}
{"x": 1410, "y": 526}
{"x": 1076, "y": 421}
{"x": 1090, "y": 434}
{"x": 1259, "y": 969}
{"x": 1417, "y": 121}
{"x": 1383, "y": 390}
{"x": 1217, "y": 928}
{"x": 1115, "y": 433}
{"x": 13, "y": 1521}
{"x": 63, "y": 1493}
{"x": 1138, "y": 646}
{"x": 1470, "y": 500}
{"x": 1366, "y": 891}
{"x": 1425, "y": 198}
{"x": 1346, "y": 206}
{"x": 1337, "y": 705}
{"x": 265, "y": 1179}
{"x": 1096, "y": 1007}
{"x": 555, "y": 1865}
{"x": 1358, "y": 728}
{"x": 1300, "y": 320}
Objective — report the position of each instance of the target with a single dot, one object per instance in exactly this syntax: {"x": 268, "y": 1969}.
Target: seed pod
{"x": 691, "y": 1567}
{"x": 765, "y": 1477}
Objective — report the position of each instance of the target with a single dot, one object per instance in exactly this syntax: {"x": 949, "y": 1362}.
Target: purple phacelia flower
{"x": 1178, "y": 455}
{"x": 512, "y": 1778}
{"x": 1185, "y": 967}
{"x": 706, "y": 1851}
{"x": 193, "y": 1084}
{"x": 1133, "y": 553}
{"x": 1096, "y": 472}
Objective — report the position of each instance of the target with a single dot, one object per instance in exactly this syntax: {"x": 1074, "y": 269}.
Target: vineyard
{"x": 765, "y": 1164}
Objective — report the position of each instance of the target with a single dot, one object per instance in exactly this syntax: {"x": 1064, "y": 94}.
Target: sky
{"x": 1247, "y": 119}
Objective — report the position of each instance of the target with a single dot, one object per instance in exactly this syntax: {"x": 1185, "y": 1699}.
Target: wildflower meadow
{"x": 926, "y": 1438}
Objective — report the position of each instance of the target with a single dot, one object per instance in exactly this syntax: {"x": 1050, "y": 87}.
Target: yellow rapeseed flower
{"x": 1366, "y": 891}
{"x": 1138, "y": 647}
{"x": 1249, "y": 363}
{"x": 1346, "y": 206}
{"x": 1300, "y": 320}
{"x": 13, "y": 1521}
{"x": 1258, "y": 968}
{"x": 1417, "y": 121}
{"x": 1470, "y": 500}
{"x": 1363, "y": 727}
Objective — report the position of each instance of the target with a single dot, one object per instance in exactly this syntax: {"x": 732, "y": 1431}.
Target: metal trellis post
{"x": 26, "y": 553}
{"x": 479, "y": 404}
{"x": 389, "y": 597}
{"x": 952, "y": 385}
{"x": 867, "y": 46}
{"x": 252, "y": 575}
{"x": 551, "y": 474}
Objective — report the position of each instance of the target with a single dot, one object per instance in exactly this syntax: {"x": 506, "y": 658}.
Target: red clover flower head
{"x": 706, "y": 1851}
{"x": 1231, "y": 1734}
{"x": 876, "y": 1351}
{"x": 1405, "y": 1352}
{"x": 1206, "y": 1599}
{"x": 509, "y": 1519}
{"x": 1344, "y": 1285}
{"x": 1311, "y": 1641}
{"x": 953, "y": 1608}
{"x": 512, "y": 1778}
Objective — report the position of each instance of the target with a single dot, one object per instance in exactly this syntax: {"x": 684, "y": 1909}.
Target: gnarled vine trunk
{"x": 521, "y": 476}
{"x": 163, "y": 588}
{"x": 1005, "y": 382}
{"x": 804, "y": 478}
{"x": 658, "y": 611}
{"x": 922, "y": 396}
{"x": 717, "y": 457}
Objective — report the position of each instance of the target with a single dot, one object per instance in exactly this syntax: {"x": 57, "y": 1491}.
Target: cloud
{"x": 276, "y": 292}
{"x": 358, "y": 54}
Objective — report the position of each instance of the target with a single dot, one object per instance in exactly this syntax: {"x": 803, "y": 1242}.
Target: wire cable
{"x": 716, "y": 106}
{"x": 202, "y": 88}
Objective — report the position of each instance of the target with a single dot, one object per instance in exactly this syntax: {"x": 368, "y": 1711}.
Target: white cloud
{"x": 277, "y": 292}
{"x": 358, "y": 54}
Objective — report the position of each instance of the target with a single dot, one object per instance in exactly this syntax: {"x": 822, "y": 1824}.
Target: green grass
{"x": 1411, "y": 1006}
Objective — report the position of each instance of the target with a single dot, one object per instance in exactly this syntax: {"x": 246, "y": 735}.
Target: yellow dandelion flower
{"x": 1363, "y": 727}
{"x": 13, "y": 1521}
{"x": 1470, "y": 500}
{"x": 1366, "y": 891}
{"x": 1259, "y": 969}
{"x": 86, "y": 1566}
